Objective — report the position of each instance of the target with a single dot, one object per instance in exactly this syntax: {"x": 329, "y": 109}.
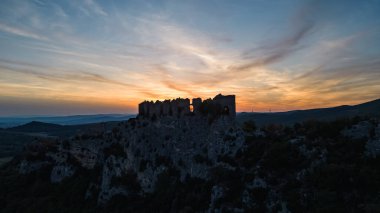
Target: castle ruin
{"x": 220, "y": 105}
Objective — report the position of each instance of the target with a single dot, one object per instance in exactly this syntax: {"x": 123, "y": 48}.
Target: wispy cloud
{"x": 301, "y": 25}
{"x": 95, "y": 7}
{"x": 274, "y": 53}
{"x": 125, "y": 53}
{"x": 21, "y": 32}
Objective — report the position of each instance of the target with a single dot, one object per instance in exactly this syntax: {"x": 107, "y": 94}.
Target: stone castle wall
{"x": 181, "y": 107}
{"x": 227, "y": 103}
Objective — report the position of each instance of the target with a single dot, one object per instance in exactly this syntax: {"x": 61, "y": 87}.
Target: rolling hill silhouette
{"x": 371, "y": 109}
{"x": 6, "y": 122}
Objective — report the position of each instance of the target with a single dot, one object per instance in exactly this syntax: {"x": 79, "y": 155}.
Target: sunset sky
{"x": 92, "y": 56}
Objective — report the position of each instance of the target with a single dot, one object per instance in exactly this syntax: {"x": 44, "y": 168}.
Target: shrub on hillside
{"x": 115, "y": 149}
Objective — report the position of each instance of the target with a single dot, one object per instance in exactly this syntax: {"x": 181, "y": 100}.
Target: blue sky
{"x": 83, "y": 57}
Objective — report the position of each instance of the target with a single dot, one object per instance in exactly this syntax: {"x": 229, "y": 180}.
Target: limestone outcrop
{"x": 142, "y": 149}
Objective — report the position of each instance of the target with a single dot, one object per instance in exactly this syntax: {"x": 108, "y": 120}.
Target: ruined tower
{"x": 221, "y": 106}
{"x": 227, "y": 102}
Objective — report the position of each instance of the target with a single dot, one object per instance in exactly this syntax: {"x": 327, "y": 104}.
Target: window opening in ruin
{"x": 226, "y": 110}
{"x": 191, "y": 108}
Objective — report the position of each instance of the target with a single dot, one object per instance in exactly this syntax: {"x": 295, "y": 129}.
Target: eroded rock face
{"x": 114, "y": 167}
{"x": 217, "y": 192}
{"x": 369, "y": 132}
{"x": 189, "y": 145}
{"x": 59, "y": 172}
{"x": 27, "y": 167}
{"x": 193, "y": 165}
{"x": 373, "y": 145}
{"x": 359, "y": 131}
{"x": 137, "y": 152}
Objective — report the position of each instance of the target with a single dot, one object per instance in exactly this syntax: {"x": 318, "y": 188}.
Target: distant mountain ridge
{"x": 36, "y": 126}
{"x": 371, "y": 109}
{"x": 57, "y": 130}
{"x": 7, "y": 122}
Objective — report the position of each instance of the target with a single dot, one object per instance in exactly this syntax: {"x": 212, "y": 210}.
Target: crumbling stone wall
{"x": 181, "y": 107}
{"x": 177, "y": 107}
{"x": 227, "y": 103}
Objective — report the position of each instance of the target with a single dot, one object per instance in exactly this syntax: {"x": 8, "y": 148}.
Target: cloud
{"x": 54, "y": 74}
{"x": 39, "y": 2}
{"x": 59, "y": 11}
{"x": 136, "y": 53}
{"x": 21, "y": 32}
{"x": 277, "y": 52}
{"x": 302, "y": 24}
{"x": 179, "y": 87}
{"x": 351, "y": 70}
{"x": 76, "y": 81}
{"x": 95, "y": 7}
{"x": 355, "y": 81}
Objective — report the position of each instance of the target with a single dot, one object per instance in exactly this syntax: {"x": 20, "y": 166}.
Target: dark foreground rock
{"x": 190, "y": 164}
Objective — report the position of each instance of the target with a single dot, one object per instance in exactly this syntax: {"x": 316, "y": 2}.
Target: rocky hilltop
{"x": 200, "y": 160}
{"x": 139, "y": 148}
{"x": 187, "y": 143}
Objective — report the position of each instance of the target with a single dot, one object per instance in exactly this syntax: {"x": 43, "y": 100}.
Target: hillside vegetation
{"x": 313, "y": 166}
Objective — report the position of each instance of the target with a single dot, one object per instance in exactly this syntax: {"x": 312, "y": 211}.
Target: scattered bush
{"x": 202, "y": 159}
{"x": 249, "y": 126}
{"x": 163, "y": 160}
{"x": 128, "y": 181}
{"x": 143, "y": 165}
{"x": 115, "y": 149}
{"x": 227, "y": 159}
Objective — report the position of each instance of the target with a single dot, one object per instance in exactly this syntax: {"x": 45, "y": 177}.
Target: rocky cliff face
{"x": 143, "y": 149}
{"x": 190, "y": 164}
{"x": 368, "y": 131}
